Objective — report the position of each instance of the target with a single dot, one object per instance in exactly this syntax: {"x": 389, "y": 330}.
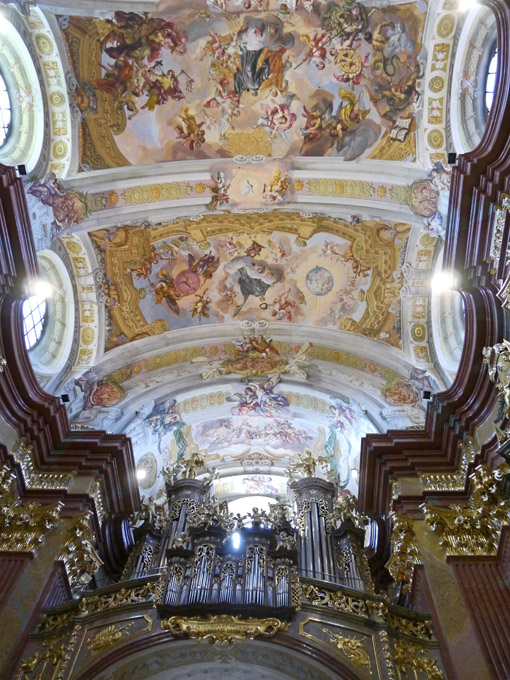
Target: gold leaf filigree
{"x": 407, "y": 655}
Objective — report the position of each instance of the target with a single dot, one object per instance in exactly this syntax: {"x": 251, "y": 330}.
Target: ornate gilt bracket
{"x": 223, "y": 628}
{"x": 22, "y": 525}
{"x": 453, "y": 481}
{"x": 473, "y": 529}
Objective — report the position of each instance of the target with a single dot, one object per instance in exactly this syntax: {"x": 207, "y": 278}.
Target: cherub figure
{"x": 201, "y": 306}
{"x": 317, "y": 52}
{"x": 276, "y": 119}
{"x": 191, "y": 131}
{"x": 219, "y": 191}
{"x": 276, "y": 189}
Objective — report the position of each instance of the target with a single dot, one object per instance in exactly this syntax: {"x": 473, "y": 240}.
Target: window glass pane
{"x": 490, "y": 82}
{"x": 5, "y": 111}
{"x": 34, "y": 311}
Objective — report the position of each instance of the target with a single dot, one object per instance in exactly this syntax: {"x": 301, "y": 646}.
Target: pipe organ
{"x": 213, "y": 562}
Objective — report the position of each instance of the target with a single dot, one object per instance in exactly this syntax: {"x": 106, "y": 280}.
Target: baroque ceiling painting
{"x": 348, "y": 279}
{"x": 250, "y": 222}
{"x": 219, "y": 79}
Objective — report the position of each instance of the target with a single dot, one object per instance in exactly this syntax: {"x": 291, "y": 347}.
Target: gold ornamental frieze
{"x": 223, "y": 628}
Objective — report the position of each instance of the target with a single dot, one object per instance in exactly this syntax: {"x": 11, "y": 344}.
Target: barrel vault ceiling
{"x": 250, "y": 201}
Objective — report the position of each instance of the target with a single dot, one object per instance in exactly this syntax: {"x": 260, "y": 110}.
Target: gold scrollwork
{"x": 499, "y": 218}
{"x": 407, "y": 655}
{"x": 120, "y": 598}
{"x": 106, "y": 638}
{"x": 453, "y": 481}
{"x": 223, "y": 628}
{"x": 353, "y": 648}
{"x": 114, "y": 634}
{"x": 405, "y": 554}
{"x": 369, "y": 608}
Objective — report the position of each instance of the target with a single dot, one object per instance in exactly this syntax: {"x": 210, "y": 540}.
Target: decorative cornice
{"x": 453, "y": 481}
{"x": 39, "y": 418}
{"x": 37, "y": 479}
{"x": 479, "y": 182}
{"x": 371, "y": 607}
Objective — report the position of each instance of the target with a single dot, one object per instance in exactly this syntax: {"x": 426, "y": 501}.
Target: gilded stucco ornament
{"x": 352, "y": 648}
{"x": 369, "y": 607}
{"x": 34, "y": 478}
{"x": 119, "y": 598}
{"x": 408, "y": 656}
{"x": 473, "y": 529}
{"x": 306, "y": 465}
{"x": 106, "y": 638}
{"x": 223, "y": 628}
{"x": 453, "y": 481}
{"x": 405, "y": 554}
{"x": 80, "y": 558}
{"x": 22, "y": 525}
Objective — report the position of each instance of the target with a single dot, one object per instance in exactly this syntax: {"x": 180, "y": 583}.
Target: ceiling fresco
{"x": 261, "y": 427}
{"x": 241, "y": 291}
{"x": 218, "y": 79}
{"x": 346, "y": 276}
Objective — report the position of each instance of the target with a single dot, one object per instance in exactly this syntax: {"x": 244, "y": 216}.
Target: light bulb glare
{"x": 141, "y": 474}
{"x": 442, "y": 282}
{"x": 43, "y": 289}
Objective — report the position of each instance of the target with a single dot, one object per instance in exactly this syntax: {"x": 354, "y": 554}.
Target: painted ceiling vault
{"x": 249, "y": 198}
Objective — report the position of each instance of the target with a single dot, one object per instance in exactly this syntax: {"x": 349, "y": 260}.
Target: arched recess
{"x": 476, "y": 44}
{"x": 158, "y": 658}
{"x": 25, "y": 139}
{"x": 51, "y": 353}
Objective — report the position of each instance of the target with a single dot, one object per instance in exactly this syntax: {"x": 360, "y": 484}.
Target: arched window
{"x": 5, "y": 111}
{"x": 34, "y": 316}
{"x": 490, "y": 81}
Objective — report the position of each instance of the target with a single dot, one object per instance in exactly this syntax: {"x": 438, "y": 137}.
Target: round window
{"x": 34, "y": 316}
{"x": 5, "y": 111}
